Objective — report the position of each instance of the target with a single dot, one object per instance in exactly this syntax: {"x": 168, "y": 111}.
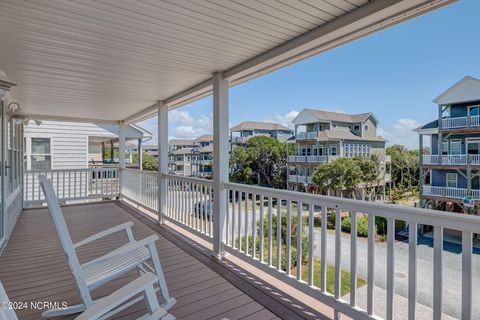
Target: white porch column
{"x": 162, "y": 160}
{"x": 220, "y": 160}
{"x": 140, "y": 154}
{"x": 121, "y": 144}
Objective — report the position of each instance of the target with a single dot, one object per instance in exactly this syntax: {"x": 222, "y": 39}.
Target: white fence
{"x": 72, "y": 184}
{"x": 452, "y": 159}
{"x": 451, "y": 123}
{"x": 250, "y": 234}
{"x": 190, "y": 203}
{"x": 306, "y": 135}
{"x": 140, "y": 187}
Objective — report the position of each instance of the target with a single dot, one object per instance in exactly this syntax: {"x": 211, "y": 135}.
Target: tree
{"x": 342, "y": 174}
{"x": 263, "y": 161}
{"x": 150, "y": 163}
{"x": 370, "y": 173}
{"x": 405, "y": 169}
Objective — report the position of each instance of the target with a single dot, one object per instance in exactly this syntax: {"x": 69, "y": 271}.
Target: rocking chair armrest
{"x": 127, "y": 226}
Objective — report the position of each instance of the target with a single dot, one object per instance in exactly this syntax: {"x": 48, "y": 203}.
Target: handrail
{"x": 423, "y": 216}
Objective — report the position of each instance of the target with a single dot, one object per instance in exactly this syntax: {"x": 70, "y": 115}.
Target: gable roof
{"x": 181, "y": 142}
{"x": 252, "y": 125}
{"x": 465, "y": 90}
{"x": 341, "y": 134}
{"x": 429, "y": 128}
{"x": 205, "y": 137}
{"x": 322, "y": 115}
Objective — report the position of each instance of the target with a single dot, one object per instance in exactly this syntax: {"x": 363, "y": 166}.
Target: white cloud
{"x": 285, "y": 119}
{"x": 188, "y": 127}
{"x": 401, "y": 133}
{"x": 181, "y": 118}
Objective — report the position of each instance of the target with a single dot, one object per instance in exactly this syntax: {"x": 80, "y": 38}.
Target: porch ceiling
{"x": 109, "y": 60}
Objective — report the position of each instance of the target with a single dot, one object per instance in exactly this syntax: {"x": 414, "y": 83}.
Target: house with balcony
{"x": 240, "y": 133}
{"x": 323, "y": 136}
{"x": 191, "y": 158}
{"x": 124, "y": 62}
{"x": 452, "y": 169}
{"x": 180, "y": 156}
{"x": 202, "y": 156}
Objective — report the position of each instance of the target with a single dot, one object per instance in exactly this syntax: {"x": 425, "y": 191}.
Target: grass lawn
{"x": 345, "y": 278}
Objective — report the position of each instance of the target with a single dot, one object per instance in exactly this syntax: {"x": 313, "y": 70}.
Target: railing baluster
{"x": 437, "y": 272}
{"x": 412, "y": 269}
{"x": 227, "y": 218}
{"x": 279, "y": 233}
{"x": 261, "y": 229}
{"x": 234, "y": 193}
{"x": 289, "y": 238}
{"x": 210, "y": 208}
{"x": 323, "y": 244}
{"x": 371, "y": 263}
{"x": 467, "y": 275}
{"x": 246, "y": 225}
{"x": 239, "y": 234}
{"x": 299, "y": 240}
{"x": 338, "y": 252}
{"x": 270, "y": 236}
{"x": 390, "y": 266}
{"x": 353, "y": 259}
{"x": 311, "y": 243}
{"x": 254, "y": 225}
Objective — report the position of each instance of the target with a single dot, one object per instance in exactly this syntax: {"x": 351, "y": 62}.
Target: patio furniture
{"x": 6, "y": 309}
{"x": 142, "y": 285}
{"x": 134, "y": 255}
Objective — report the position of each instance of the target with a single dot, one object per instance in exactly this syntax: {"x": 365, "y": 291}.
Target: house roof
{"x": 206, "y": 149}
{"x": 342, "y": 134}
{"x": 253, "y": 125}
{"x": 182, "y": 151}
{"x": 465, "y": 90}
{"x": 429, "y": 128}
{"x": 339, "y": 117}
{"x": 205, "y": 137}
{"x": 181, "y": 142}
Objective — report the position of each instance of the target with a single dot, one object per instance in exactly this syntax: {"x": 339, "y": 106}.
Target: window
{"x": 356, "y": 128}
{"x": 365, "y": 127}
{"x": 41, "y": 157}
{"x": 334, "y": 125}
{"x": 455, "y": 146}
{"x": 349, "y": 127}
{"x": 451, "y": 180}
{"x": 333, "y": 150}
{"x": 473, "y": 111}
{"x": 445, "y": 147}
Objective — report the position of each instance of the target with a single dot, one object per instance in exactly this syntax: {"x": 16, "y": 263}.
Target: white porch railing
{"x": 452, "y": 159}
{"x": 312, "y": 159}
{"x": 72, "y": 184}
{"x": 250, "y": 235}
{"x": 430, "y": 159}
{"x": 190, "y": 203}
{"x": 446, "y": 192}
{"x": 475, "y": 121}
{"x": 452, "y": 123}
{"x": 306, "y": 135}
{"x": 140, "y": 187}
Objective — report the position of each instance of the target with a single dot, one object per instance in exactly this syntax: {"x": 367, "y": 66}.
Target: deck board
{"x": 33, "y": 267}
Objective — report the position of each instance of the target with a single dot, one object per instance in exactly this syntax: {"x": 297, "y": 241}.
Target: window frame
{"x": 30, "y": 154}
{"x": 455, "y": 141}
{"x": 447, "y": 179}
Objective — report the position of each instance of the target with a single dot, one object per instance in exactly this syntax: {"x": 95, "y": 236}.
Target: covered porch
{"x": 121, "y": 63}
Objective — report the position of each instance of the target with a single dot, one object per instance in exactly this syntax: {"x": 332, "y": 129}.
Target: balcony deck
{"x": 33, "y": 268}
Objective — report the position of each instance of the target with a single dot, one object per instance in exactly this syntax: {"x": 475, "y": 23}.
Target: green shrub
{"x": 362, "y": 225}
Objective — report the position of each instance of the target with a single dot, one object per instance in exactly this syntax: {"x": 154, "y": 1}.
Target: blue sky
{"x": 395, "y": 74}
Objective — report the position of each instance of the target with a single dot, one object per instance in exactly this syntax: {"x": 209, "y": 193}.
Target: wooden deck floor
{"x": 33, "y": 268}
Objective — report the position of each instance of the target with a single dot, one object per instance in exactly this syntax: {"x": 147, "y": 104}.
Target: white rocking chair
{"x": 142, "y": 285}
{"x": 95, "y": 273}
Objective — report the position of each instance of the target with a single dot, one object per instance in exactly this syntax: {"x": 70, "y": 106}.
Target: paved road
{"x": 451, "y": 271}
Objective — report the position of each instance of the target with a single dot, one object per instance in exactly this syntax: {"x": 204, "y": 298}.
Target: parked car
{"x": 203, "y": 209}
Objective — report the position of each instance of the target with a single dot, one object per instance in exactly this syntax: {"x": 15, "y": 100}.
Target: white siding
{"x": 69, "y": 140}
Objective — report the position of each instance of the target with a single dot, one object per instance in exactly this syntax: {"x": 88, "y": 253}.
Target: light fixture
{"x": 4, "y": 84}
{"x": 16, "y": 112}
